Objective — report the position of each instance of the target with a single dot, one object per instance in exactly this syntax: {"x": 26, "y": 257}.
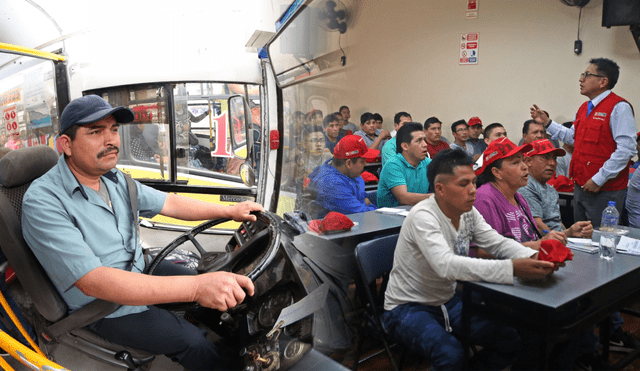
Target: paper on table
{"x": 582, "y": 244}
{"x": 389, "y": 210}
{"x": 628, "y": 245}
{"x": 582, "y": 241}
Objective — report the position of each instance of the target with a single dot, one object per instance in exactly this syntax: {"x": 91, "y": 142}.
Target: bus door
{"x": 181, "y": 140}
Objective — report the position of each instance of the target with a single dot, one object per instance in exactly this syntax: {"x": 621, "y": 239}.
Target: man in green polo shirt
{"x": 403, "y": 180}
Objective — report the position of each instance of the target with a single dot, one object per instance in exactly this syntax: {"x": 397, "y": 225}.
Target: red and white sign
{"x": 469, "y": 48}
{"x": 472, "y": 9}
{"x": 10, "y": 121}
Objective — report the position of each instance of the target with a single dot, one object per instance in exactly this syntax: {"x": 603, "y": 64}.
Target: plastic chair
{"x": 17, "y": 170}
{"x": 374, "y": 259}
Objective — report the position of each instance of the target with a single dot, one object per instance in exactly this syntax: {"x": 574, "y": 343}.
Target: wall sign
{"x": 469, "y": 48}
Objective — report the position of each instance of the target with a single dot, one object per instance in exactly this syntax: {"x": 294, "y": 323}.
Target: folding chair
{"x": 374, "y": 259}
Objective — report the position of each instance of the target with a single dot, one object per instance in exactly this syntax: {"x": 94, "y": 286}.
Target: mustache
{"x": 108, "y": 150}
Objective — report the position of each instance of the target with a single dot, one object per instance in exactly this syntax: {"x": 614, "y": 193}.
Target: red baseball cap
{"x": 352, "y": 146}
{"x": 498, "y": 149}
{"x": 544, "y": 146}
{"x": 475, "y": 120}
{"x": 333, "y": 222}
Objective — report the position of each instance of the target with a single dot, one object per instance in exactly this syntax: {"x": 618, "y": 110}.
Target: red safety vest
{"x": 594, "y": 144}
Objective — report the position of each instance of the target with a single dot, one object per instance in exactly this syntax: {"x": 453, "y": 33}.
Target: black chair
{"x": 374, "y": 259}
{"x": 17, "y": 170}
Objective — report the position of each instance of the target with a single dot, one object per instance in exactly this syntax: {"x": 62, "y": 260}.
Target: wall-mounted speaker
{"x": 620, "y": 13}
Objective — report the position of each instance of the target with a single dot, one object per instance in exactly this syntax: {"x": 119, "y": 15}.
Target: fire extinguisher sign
{"x": 10, "y": 120}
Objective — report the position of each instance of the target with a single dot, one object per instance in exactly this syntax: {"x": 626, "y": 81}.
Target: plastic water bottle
{"x": 610, "y": 217}
{"x": 608, "y": 236}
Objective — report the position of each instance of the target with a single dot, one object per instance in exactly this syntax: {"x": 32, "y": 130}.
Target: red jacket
{"x": 594, "y": 144}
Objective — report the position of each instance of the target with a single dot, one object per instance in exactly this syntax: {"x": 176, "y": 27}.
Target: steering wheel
{"x": 250, "y": 251}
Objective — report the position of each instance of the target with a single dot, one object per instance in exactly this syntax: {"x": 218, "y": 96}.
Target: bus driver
{"x": 77, "y": 219}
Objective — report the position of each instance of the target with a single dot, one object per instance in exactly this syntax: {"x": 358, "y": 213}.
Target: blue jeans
{"x": 159, "y": 331}
{"x": 422, "y": 329}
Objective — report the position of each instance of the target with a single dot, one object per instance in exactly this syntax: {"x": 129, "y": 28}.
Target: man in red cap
{"x": 338, "y": 182}
{"x": 475, "y": 130}
{"x": 542, "y": 197}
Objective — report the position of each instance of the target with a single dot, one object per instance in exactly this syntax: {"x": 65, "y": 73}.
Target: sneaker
{"x": 622, "y": 341}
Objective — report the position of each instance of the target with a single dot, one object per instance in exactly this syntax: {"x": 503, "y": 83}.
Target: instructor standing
{"x": 604, "y": 137}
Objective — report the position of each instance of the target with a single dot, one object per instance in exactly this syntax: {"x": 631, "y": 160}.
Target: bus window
{"x": 180, "y": 139}
{"x": 28, "y": 106}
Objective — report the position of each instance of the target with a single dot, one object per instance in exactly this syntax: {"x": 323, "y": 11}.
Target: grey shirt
{"x": 563, "y": 165}
{"x": 543, "y": 202}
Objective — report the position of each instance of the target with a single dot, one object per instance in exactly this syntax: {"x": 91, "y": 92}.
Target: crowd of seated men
{"x": 458, "y": 229}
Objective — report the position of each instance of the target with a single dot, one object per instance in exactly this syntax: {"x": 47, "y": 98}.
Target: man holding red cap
{"x": 542, "y": 197}
{"x": 475, "y": 130}
{"x": 338, "y": 182}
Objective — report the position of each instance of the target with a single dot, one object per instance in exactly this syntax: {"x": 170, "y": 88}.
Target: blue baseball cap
{"x": 90, "y": 109}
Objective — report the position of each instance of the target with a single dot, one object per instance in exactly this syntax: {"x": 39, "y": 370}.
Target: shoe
{"x": 590, "y": 362}
{"x": 622, "y": 341}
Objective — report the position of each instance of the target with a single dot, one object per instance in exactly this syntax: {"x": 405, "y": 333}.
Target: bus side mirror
{"x": 241, "y": 144}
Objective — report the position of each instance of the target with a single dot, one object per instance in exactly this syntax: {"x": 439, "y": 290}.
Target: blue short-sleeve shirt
{"x": 72, "y": 231}
{"x": 397, "y": 171}
{"x": 389, "y": 150}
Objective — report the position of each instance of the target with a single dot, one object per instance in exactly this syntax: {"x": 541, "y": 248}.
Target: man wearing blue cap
{"x": 77, "y": 219}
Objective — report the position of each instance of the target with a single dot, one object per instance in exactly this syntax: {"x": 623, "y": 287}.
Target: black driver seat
{"x": 17, "y": 170}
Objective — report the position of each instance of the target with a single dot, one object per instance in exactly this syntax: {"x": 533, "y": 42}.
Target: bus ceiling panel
{"x": 308, "y": 45}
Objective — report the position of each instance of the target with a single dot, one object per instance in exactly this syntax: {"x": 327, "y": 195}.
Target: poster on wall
{"x": 469, "y": 48}
{"x": 472, "y": 9}
{"x": 10, "y": 120}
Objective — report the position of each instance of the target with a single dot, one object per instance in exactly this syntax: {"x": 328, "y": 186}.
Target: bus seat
{"x": 18, "y": 169}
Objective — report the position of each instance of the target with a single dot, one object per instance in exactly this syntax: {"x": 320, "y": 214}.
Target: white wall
{"x": 403, "y": 56}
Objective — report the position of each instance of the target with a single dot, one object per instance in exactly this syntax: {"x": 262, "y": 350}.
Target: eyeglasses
{"x": 317, "y": 140}
{"x": 461, "y": 130}
{"x": 584, "y": 75}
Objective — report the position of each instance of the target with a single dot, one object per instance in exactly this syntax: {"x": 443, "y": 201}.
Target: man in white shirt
{"x": 422, "y": 308}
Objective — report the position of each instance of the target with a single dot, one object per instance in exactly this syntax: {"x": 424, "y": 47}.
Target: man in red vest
{"x": 604, "y": 138}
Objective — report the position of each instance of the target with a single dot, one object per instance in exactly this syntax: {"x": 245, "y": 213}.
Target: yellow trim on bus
{"x": 23, "y": 50}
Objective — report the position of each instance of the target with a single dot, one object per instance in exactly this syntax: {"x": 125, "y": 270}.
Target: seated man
{"x": 342, "y": 122}
{"x": 399, "y": 119}
{"x": 332, "y": 135}
{"x": 378, "y": 119}
{"x": 532, "y": 131}
{"x": 460, "y": 131}
{"x": 77, "y": 219}
{"x": 475, "y": 130}
{"x": 338, "y": 182}
{"x": 565, "y": 161}
{"x": 491, "y": 133}
{"x": 403, "y": 178}
{"x": 433, "y": 136}
{"x": 422, "y": 308}
{"x": 346, "y": 116}
{"x": 542, "y": 197}
{"x": 390, "y": 148}
{"x": 313, "y": 153}
{"x": 374, "y": 138}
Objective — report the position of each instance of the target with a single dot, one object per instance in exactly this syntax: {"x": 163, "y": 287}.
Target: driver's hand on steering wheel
{"x": 222, "y": 290}
{"x": 242, "y": 212}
